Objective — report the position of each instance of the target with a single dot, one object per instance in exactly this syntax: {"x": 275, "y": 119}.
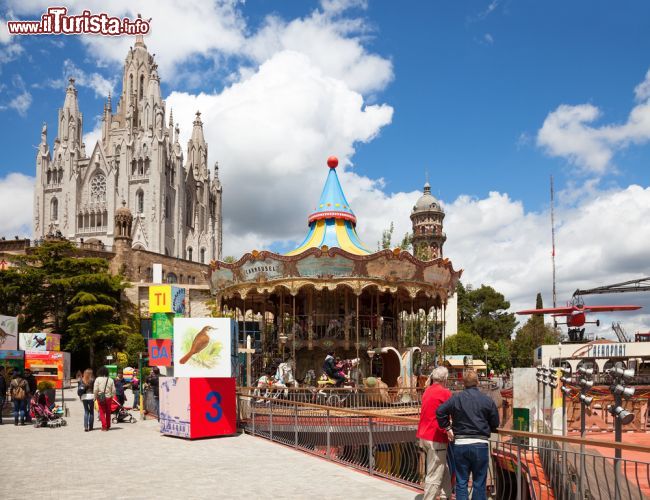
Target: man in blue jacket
{"x": 474, "y": 417}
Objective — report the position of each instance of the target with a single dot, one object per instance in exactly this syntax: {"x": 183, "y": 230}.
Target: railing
{"x": 382, "y": 442}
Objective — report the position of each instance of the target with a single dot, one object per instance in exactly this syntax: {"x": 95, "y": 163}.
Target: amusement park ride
{"x": 576, "y": 315}
{"x": 576, "y": 311}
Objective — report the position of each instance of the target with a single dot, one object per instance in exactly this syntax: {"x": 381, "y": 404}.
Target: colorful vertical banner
{"x": 162, "y": 325}
{"x": 160, "y": 352}
{"x": 8, "y": 333}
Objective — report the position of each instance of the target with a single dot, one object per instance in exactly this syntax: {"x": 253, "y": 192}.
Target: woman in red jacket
{"x": 434, "y": 439}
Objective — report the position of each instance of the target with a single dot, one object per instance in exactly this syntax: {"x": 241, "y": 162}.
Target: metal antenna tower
{"x": 553, "y": 238}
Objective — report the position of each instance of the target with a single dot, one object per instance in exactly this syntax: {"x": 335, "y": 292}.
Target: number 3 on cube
{"x": 215, "y": 416}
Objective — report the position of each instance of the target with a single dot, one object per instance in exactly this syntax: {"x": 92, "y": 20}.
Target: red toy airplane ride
{"x": 576, "y": 315}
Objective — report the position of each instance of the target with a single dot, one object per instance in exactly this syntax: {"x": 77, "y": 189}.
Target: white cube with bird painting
{"x": 203, "y": 347}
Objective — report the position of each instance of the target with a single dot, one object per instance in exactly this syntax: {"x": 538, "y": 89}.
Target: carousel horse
{"x": 284, "y": 377}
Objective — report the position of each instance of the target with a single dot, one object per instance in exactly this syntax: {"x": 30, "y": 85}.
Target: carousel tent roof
{"x": 332, "y": 223}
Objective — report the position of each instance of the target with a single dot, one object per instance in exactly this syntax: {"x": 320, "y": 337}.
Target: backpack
{"x": 81, "y": 389}
{"x": 19, "y": 392}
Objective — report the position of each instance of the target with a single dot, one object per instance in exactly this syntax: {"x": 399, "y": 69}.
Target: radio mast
{"x": 553, "y": 238}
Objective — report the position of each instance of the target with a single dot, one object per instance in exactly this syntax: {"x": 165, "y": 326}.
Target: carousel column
{"x": 310, "y": 321}
{"x": 263, "y": 325}
{"x": 444, "y": 329}
{"x": 293, "y": 330}
{"x": 356, "y": 313}
{"x": 346, "y": 322}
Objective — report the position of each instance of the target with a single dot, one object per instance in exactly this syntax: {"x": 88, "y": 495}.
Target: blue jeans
{"x": 89, "y": 413}
{"x": 472, "y": 458}
{"x": 19, "y": 410}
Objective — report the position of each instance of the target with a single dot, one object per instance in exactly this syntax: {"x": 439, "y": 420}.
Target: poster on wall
{"x": 202, "y": 347}
{"x": 8, "y": 333}
{"x": 160, "y": 352}
{"x": 166, "y": 299}
{"x": 39, "y": 342}
{"x": 49, "y": 366}
{"x": 10, "y": 360}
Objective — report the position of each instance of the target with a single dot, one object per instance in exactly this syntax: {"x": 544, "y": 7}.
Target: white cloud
{"x": 329, "y": 43}
{"x": 489, "y": 39}
{"x": 16, "y": 199}
{"x": 568, "y": 132}
{"x": 601, "y": 239}
{"x": 183, "y": 31}
{"x": 271, "y": 131}
{"x": 19, "y": 97}
{"x": 102, "y": 86}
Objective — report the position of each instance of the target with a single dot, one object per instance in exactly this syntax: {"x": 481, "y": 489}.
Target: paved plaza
{"x": 135, "y": 461}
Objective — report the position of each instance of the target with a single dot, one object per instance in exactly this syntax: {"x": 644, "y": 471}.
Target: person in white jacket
{"x": 104, "y": 390}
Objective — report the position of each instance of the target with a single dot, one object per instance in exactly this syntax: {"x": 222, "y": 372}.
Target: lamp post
{"x": 485, "y": 348}
{"x": 619, "y": 376}
{"x": 586, "y": 384}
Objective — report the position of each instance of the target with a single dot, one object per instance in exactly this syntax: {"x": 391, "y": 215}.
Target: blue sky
{"x": 471, "y": 88}
{"x": 489, "y": 96}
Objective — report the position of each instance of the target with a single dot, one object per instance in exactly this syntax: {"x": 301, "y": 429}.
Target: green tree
{"x": 406, "y": 243}
{"x": 465, "y": 342}
{"x": 484, "y": 311}
{"x": 387, "y": 237}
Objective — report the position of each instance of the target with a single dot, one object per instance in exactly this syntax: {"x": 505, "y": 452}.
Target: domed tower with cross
{"x": 426, "y": 218}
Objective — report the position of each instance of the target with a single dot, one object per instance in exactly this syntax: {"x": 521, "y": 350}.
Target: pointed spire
{"x": 216, "y": 170}
{"x": 139, "y": 39}
{"x": 71, "y": 97}
{"x": 44, "y": 134}
{"x": 171, "y": 117}
{"x": 333, "y": 204}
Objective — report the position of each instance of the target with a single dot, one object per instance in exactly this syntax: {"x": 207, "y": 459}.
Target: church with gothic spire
{"x": 137, "y": 165}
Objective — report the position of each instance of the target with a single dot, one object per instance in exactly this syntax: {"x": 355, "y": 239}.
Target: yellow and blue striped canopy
{"x": 333, "y": 222}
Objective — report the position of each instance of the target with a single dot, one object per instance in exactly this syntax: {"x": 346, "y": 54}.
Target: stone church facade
{"x": 137, "y": 163}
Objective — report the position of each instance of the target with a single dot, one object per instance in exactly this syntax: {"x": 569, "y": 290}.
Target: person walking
{"x": 433, "y": 439}
{"x": 119, "y": 388}
{"x": 104, "y": 390}
{"x": 135, "y": 387}
{"x": 153, "y": 381}
{"x": 474, "y": 416}
{"x": 19, "y": 391}
{"x": 3, "y": 392}
{"x": 86, "y": 393}
{"x": 31, "y": 381}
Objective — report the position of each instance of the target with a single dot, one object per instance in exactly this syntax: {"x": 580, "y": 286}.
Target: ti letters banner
{"x": 8, "y": 333}
{"x": 160, "y": 352}
{"x": 166, "y": 299}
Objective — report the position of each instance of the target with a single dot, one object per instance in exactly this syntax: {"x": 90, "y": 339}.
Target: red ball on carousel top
{"x": 332, "y": 162}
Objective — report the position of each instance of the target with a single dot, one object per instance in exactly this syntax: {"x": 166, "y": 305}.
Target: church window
{"x": 80, "y": 221}
{"x": 134, "y": 167}
{"x": 98, "y": 188}
{"x": 49, "y": 176}
{"x": 171, "y": 278}
{"x": 140, "y": 202}
{"x": 146, "y": 165}
{"x": 189, "y": 215}
{"x": 59, "y": 176}
{"x": 130, "y": 84}
{"x": 140, "y": 167}
{"x": 54, "y": 212}
{"x": 202, "y": 256}
{"x": 141, "y": 86}
{"x": 189, "y": 253}
{"x": 168, "y": 211}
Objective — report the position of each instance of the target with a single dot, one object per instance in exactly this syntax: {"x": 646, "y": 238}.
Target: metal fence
{"x": 381, "y": 441}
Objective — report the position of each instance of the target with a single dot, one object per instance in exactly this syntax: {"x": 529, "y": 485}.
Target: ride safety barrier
{"x": 380, "y": 440}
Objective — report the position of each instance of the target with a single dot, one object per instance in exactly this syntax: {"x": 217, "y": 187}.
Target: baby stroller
{"x": 42, "y": 415}
{"x": 121, "y": 414}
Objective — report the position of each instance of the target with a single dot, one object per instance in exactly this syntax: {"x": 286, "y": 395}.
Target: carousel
{"x": 334, "y": 294}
